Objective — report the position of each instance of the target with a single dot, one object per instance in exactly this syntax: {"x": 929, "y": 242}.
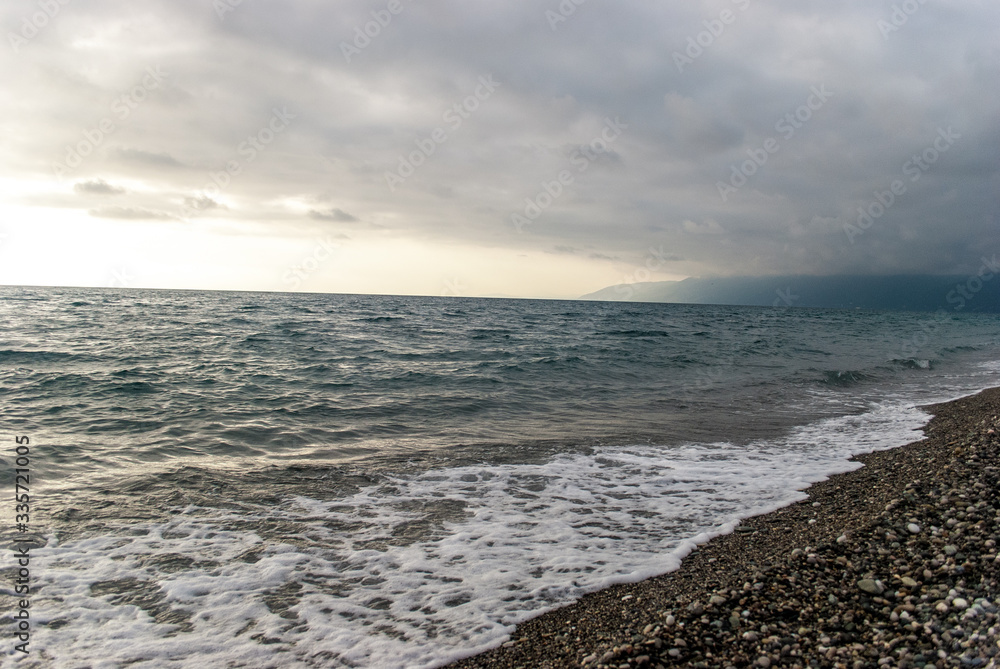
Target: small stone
{"x": 909, "y": 582}
{"x": 870, "y": 586}
{"x": 590, "y": 659}
{"x": 913, "y": 528}
{"x": 696, "y": 608}
{"x": 669, "y": 620}
{"x": 716, "y": 600}
{"x": 764, "y": 661}
{"x": 950, "y": 550}
{"x": 674, "y": 652}
{"x": 942, "y": 607}
{"x": 960, "y": 603}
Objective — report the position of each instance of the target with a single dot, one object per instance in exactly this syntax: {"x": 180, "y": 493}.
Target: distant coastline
{"x": 978, "y": 292}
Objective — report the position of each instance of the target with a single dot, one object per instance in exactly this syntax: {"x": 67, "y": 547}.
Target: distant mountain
{"x": 978, "y": 293}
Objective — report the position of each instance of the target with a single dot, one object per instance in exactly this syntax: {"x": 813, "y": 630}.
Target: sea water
{"x": 275, "y": 480}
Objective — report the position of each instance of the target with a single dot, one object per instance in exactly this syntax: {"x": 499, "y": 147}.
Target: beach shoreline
{"x": 893, "y": 564}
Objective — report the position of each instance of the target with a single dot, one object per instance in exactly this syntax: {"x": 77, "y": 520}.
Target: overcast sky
{"x": 529, "y": 149}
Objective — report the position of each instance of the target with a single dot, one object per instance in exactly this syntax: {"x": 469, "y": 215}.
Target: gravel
{"x": 899, "y": 569}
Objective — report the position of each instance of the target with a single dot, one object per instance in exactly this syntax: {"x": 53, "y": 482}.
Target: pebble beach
{"x": 894, "y": 564}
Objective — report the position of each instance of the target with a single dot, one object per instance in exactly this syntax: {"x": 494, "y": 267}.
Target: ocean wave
{"x": 20, "y": 355}
{"x": 638, "y": 333}
{"x": 405, "y": 569}
{"x": 913, "y": 363}
{"x": 843, "y": 378}
{"x": 134, "y": 388}
{"x": 379, "y": 319}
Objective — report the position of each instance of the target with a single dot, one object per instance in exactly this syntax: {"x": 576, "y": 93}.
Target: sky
{"x": 494, "y": 148}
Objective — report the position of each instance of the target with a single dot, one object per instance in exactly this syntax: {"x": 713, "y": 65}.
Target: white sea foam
{"x": 488, "y": 547}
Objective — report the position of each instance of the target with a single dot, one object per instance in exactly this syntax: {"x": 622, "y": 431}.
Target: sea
{"x": 224, "y": 479}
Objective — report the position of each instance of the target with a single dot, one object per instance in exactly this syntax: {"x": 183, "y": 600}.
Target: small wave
{"x": 845, "y": 378}
{"x": 125, "y": 373}
{"x": 556, "y": 360}
{"x": 912, "y": 363}
{"x": 638, "y": 333}
{"x": 378, "y": 319}
{"x": 33, "y": 356}
{"x": 135, "y": 388}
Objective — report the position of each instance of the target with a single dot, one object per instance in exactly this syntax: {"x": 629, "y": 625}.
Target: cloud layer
{"x": 531, "y": 149}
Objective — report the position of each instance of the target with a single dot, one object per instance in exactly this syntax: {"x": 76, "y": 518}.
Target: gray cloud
{"x": 131, "y": 214}
{"x": 202, "y": 204}
{"x": 97, "y": 187}
{"x": 132, "y": 155}
{"x": 337, "y": 215}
